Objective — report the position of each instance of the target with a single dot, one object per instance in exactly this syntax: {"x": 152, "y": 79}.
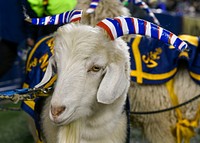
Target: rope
{"x": 166, "y": 109}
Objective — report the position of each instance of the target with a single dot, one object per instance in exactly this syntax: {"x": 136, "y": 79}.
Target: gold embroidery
{"x": 32, "y": 64}
{"x": 150, "y": 58}
{"x": 44, "y": 59}
{"x": 44, "y": 62}
{"x": 50, "y": 44}
{"x": 34, "y": 49}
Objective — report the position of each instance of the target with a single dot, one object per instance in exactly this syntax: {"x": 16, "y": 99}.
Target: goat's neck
{"x": 106, "y": 125}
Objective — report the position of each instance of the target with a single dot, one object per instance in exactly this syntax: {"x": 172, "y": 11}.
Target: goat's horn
{"x": 63, "y": 18}
{"x": 93, "y": 6}
{"x": 146, "y": 8}
{"x": 120, "y": 26}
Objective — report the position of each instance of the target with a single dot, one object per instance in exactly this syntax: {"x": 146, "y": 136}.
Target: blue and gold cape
{"x": 152, "y": 62}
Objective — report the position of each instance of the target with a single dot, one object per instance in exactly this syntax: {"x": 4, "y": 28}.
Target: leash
{"x": 17, "y": 95}
{"x": 166, "y": 109}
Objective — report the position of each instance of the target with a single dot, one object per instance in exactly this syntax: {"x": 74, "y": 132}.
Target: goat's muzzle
{"x": 56, "y": 111}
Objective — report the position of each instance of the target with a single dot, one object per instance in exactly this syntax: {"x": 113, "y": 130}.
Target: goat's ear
{"x": 113, "y": 84}
{"x": 50, "y": 71}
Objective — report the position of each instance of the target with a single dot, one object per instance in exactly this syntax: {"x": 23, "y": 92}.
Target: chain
{"x": 30, "y": 94}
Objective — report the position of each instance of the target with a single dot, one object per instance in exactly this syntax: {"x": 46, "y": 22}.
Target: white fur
{"x": 91, "y": 115}
{"x": 158, "y": 127}
{"x": 105, "y": 9}
{"x": 94, "y": 122}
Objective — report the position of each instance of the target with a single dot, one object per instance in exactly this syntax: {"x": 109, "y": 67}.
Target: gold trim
{"x": 34, "y": 49}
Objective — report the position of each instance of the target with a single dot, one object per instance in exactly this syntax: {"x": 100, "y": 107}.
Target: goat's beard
{"x": 70, "y": 133}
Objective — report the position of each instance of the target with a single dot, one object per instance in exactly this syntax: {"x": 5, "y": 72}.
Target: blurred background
{"x": 17, "y": 37}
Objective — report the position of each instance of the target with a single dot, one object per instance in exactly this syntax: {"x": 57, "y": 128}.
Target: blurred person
{"x": 157, "y": 4}
{"x": 185, "y": 7}
{"x": 42, "y": 8}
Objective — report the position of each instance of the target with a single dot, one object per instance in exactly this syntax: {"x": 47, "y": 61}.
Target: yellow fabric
{"x": 25, "y": 85}
{"x": 51, "y": 82}
{"x": 139, "y": 71}
{"x": 194, "y": 75}
{"x": 31, "y": 104}
{"x": 39, "y": 141}
{"x": 184, "y": 129}
{"x": 152, "y": 76}
{"x": 191, "y": 39}
{"x": 184, "y": 54}
{"x": 137, "y": 57}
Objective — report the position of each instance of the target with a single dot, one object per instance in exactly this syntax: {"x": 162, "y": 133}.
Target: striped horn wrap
{"x": 93, "y": 6}
{"x": 63, "y": 18}
{"x": 120, "y": 26}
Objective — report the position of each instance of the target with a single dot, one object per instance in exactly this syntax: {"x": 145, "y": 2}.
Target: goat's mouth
{"x": 62, "y": 120}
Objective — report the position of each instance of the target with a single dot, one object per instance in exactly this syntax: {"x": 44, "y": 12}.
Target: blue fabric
{"x": 157, "y": 58}
{"x": 35, "y": 67}
{"x": 16, "y": 91}
{"x": 37, "y": 62}
{"x": 34, "y": 70}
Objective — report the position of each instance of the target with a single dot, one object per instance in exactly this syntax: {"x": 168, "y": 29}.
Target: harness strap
{"x": 184, "y": 129}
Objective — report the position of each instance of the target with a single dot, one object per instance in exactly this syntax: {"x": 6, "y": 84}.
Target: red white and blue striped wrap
{"x": 93, "y": 6}
{"x": 120, "y": 26}
{"x": 146, "y": 8}
{"x": 66, "y": 17}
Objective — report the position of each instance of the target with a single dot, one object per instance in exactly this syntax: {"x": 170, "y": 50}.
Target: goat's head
{"x": 93, "y": 68}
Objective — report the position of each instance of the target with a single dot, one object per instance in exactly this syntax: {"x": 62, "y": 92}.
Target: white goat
{"x": 137, "y": 100}
{"x": 87, "y": 105}
{"x": 98, "y": 67}
{"x": 156, "y": 127}
{"x": 106, "y": 8}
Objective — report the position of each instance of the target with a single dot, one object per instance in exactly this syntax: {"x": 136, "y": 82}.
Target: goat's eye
{"x": 95, "y": 68}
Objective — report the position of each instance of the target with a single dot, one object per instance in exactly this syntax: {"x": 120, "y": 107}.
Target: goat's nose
{"x": 56, "y": 111}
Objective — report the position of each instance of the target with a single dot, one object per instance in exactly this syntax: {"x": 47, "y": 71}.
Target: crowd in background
{"x": 191, "y": 7}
